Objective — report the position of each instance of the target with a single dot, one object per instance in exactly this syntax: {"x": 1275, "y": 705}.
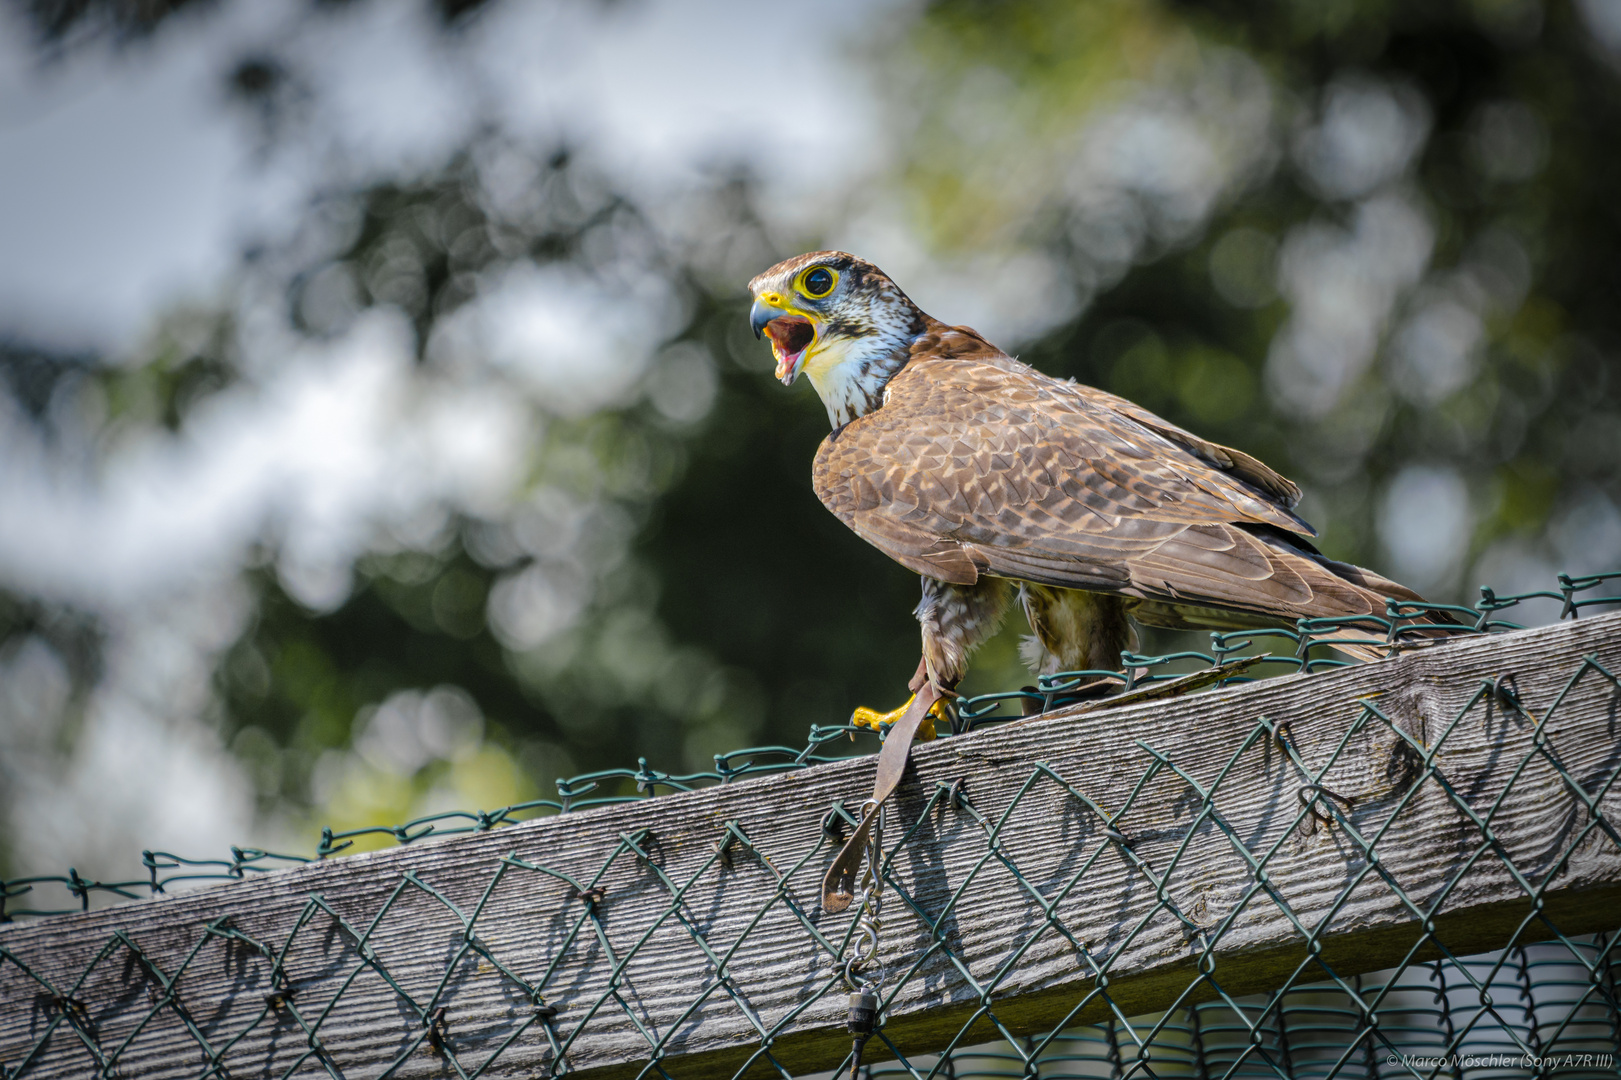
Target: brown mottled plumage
{"x": 986, "y": 476}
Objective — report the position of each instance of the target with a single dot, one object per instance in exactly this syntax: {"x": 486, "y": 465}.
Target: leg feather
{"x": 955, "y": 620}
{"x": 1073, "y": 630}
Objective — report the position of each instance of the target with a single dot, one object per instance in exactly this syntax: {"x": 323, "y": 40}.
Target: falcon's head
{"x": 832, "y": 316}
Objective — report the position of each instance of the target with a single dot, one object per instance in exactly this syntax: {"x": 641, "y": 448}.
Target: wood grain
{"x": 957, "y": 918}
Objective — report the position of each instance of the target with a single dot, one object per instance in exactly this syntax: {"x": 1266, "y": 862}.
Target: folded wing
{"x": 977, "y": 464}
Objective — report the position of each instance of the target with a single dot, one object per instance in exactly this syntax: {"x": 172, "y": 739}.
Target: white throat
{"x": 849, "y": 376}
{"x": 850, "y": 373}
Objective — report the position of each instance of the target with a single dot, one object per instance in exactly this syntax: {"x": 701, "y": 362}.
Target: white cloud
{"x": 1367, "y": 136}
{"x": 1437, "y": 350}
{"x": 576, "y": 343}
{"x": 394, "y": 96}
{"x": 411, "y": 728}
{"x": 663, "y": 90}
{"x": 1343, "y": 284}
{"x": 1425, "y": 520}
{"x": 143, "y": 773}
{"x": 342, "y": 442}
{"x": 128, "y": 183}
{"x": 120, "y": 182}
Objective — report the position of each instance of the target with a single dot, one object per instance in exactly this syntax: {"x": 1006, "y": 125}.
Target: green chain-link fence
{"x": 1041, "y": 895}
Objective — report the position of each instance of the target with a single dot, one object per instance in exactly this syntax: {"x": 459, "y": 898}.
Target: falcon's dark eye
{"x": 818, "y": 282}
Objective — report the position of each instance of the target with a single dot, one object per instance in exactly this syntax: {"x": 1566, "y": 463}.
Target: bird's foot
{"x": 878, "y": 721}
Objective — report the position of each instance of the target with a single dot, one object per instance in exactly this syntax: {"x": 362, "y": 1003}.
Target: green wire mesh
{"x": 1305, "y": 648}
{"x": 1430, "y": 1018}
{"x": 1546, "y": 1005}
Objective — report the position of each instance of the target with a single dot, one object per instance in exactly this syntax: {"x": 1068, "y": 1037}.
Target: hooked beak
{"x": 791, "y": 334}
{"x": 760, "y": 316}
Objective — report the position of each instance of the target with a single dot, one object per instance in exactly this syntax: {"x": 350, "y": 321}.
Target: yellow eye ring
{"x": 817, "y": 282}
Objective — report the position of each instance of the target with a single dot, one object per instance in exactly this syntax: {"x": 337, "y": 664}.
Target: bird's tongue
{"x": 788, "y": 366}
{"x": 790, "y": 337}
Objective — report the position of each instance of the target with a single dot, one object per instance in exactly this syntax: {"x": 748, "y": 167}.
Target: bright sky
{"x": 129, "y": 185}
{"x": 128, "y": 182}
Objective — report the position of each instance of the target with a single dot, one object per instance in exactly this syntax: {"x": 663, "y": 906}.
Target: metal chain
{"x": 864, "y": 943}
{"x": 865, "y": 986}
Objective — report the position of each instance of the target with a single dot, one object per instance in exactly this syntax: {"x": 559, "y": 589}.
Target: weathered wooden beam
{"x": 685, "y": 928}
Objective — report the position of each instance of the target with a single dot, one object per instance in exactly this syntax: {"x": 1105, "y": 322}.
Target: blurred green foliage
{"x": 737, "y": 610}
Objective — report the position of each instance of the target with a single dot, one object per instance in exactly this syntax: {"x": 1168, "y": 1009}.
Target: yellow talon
{"x": 875, "y": 720}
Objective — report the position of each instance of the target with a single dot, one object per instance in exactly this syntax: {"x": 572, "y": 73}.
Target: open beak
{"x": 790, "y": 336}
{"x": 761, "y": 314}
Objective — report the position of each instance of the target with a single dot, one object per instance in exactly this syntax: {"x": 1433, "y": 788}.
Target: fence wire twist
{"x": 1547, "y": 995}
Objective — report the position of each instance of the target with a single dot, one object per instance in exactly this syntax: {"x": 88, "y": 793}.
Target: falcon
{"x": 999, "y": 484}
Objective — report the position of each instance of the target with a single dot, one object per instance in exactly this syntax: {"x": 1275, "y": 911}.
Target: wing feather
{"x": 979, "y": 464}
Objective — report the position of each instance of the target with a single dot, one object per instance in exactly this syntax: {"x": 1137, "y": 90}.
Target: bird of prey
{"x": 997, "y": 483}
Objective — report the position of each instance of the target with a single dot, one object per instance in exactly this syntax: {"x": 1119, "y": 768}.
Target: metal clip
{"x": 861, "y": 1020}
{"x": 863, "y": 1011}
{"x": 868, "y": 927}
